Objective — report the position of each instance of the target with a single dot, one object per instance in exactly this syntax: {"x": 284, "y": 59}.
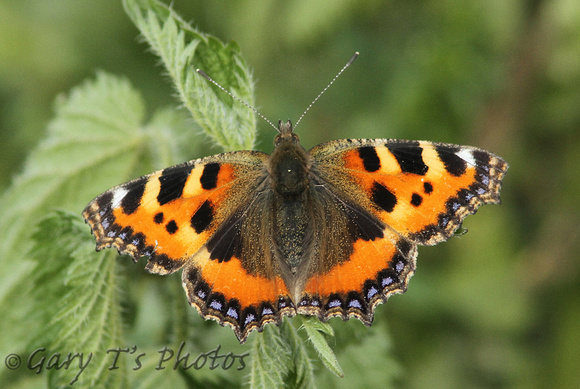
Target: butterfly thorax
{"x": 289, "y": 165}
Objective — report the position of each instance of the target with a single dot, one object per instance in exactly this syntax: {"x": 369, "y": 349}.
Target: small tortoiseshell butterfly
{"x": 332, "y": 231}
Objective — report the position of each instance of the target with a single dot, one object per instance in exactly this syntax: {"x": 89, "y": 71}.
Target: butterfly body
{"x": 332, "y": 231}
{"x": 290, "y": 200}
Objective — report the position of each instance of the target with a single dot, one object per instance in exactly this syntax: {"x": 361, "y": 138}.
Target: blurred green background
{"x": 496, "y": 308}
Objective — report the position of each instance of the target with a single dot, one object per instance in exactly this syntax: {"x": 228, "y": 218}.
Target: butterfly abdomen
{"x": 290, "y": 230}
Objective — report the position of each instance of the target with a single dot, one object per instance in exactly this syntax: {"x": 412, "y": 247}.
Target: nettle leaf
{"x": 92, "y": 140}
{"x": 78, "y": 290}
{"x": 97, "y": 139}
{"x": 302, "y": 373}
{"x": 182, "y": 50}
{"x": 271, "y": 359}
{"x": 367, "y": 359}
{"x": 316, "y": 331}
{"x": 282, "y": 358}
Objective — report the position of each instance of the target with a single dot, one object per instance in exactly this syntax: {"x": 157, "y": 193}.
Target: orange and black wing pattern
{"x": 397, "y": 195}
{"x": 188, "y": 215}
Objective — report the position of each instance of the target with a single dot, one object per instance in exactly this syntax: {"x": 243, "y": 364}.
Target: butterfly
{"x": 328, "y": 232}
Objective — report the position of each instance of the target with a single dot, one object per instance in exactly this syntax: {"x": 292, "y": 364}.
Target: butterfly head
{"x": 286, "y": 135}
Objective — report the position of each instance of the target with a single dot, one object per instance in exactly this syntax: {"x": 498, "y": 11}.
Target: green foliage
{"x": 90, "y": 136}
{"x": 316, "y": 331}
{"x": 94, "y": 116}
{"x": 495, "y": 307}
{"x": 281, "y": 357}
{"x": 271, "y": 358}
{"x": 182, "y": 49}
{"x": 367, "y": 359}
{"x": 85, "y": 285}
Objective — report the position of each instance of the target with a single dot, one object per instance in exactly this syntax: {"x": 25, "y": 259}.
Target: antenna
{"x": 204, "y": 75}
{"x": 350, "y": 61}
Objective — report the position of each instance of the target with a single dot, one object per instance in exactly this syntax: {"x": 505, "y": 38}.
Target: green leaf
{"x": 78, "y": 289}
{"x": 94, "y": 134}
{"x": 316, "y": 330}
{"x": 302, "y": 373}
{"x": 281, "y": 358}
{"x": 271, "y": 359}
{"x": 96, "y": 140}
{"x": 368, "y": 361}
{"x": 182, "y": 50}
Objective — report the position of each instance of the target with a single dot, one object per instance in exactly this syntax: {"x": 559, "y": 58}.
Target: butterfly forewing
{"x": 422, "y": 190}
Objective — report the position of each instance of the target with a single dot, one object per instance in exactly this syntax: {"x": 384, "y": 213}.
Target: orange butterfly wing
{"x": 170, "y": 216}
{"x": 400, "y": 193}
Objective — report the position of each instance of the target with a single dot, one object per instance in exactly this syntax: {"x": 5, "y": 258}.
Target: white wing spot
{"x": 467, "y": 156}
{"x": 216, "y": 305}
{"x": 118, "y": 196}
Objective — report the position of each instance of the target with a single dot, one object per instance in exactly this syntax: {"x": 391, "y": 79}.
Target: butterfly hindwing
{"x": 359, "y": 261}
{"x": 235, "y": 278}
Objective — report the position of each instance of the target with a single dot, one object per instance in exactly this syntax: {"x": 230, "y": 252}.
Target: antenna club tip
{"x": 351, "y": 60}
